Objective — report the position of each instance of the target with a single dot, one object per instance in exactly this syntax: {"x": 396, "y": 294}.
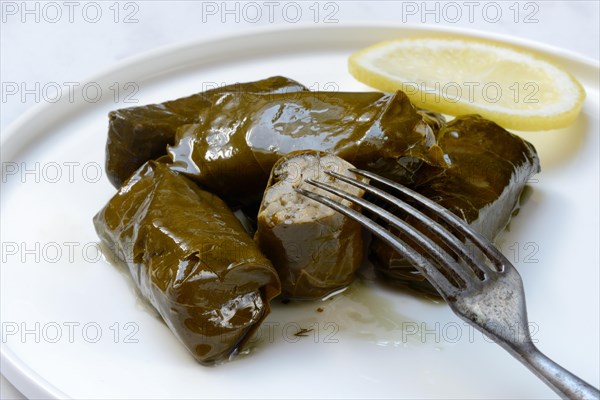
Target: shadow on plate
{"x": 556, "y": 147}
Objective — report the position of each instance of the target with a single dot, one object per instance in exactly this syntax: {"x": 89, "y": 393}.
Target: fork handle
{"x": 563, "y": 382}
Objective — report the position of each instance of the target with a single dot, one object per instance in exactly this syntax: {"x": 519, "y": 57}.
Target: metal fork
{"x": 487, "y": 292}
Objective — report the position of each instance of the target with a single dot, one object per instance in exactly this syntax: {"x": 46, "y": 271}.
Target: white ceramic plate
{"x": 72, "y": 327}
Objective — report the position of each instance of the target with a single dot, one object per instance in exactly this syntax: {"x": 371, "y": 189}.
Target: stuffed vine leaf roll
{"x": 488, "y": 168}
{"x": 191, "y": 258}
{"x": 234, "y": 145}
{"x": 314, "y": 249}
{"x": 139, "y": 134}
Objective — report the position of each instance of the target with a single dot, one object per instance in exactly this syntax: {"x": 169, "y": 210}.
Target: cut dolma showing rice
{"x": 314, "y": 249}
{"x": 233, "y": 147}
{"x": 488, "y": 169}
{"x": 139, "y": 134}
{"x": 191, "y": 258}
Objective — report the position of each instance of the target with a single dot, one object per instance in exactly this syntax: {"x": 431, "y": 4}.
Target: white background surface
{"x": 36, "y": 52}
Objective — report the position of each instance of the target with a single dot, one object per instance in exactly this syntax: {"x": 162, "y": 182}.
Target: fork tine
{"x": 451, "y": 241}
{"x": 437, "y": 279}
{"x": 493, "y": 254}
{"x": 440, "y": 255}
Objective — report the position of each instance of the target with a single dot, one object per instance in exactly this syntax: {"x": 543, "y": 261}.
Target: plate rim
{"x": 30, "y": 382}
{"x": 163, "y": 51}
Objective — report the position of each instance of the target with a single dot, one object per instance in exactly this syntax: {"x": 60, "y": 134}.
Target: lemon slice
{"x": 463, "y": 76}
